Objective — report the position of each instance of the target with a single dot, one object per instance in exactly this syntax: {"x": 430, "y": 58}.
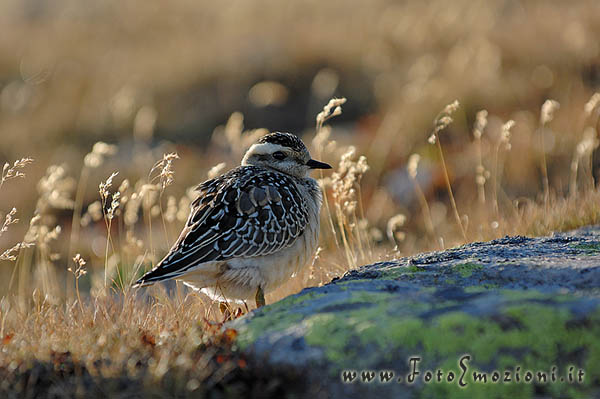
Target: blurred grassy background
{"x": 154, "y": 77}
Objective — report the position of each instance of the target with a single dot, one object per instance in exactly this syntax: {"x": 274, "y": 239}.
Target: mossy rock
{"x": 523, "y": 306}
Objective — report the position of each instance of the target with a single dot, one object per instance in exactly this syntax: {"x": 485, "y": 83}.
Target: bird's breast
{"x": 290, "y": 261}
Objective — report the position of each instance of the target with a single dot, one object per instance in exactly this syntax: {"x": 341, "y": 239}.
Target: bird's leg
{"x": 260, "y": 297}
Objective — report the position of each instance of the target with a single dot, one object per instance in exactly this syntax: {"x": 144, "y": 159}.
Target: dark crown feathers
{"x": 285, "y": 140}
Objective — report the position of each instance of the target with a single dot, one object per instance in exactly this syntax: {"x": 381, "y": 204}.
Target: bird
{"x": 250, "y": 229}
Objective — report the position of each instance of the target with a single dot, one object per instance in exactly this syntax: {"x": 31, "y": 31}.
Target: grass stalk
{"x": 450, "y": 193}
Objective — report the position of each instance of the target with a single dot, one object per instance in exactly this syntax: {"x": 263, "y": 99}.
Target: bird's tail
{"x": 162, "y": 271}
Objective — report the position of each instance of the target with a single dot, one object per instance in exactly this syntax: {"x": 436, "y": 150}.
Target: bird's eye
{"x": 280, "y": 156}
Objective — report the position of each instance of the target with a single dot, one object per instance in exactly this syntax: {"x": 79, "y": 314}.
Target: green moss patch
{"x": 591, "y": 247}
{"x": 466, "y": 270}
{"x": 396, "y": 272}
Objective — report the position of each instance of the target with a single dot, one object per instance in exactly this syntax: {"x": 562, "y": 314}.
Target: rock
{"x": 520, "y": 307}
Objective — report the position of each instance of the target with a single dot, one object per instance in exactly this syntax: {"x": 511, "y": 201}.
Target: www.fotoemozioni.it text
{"x": 465, "y": 375}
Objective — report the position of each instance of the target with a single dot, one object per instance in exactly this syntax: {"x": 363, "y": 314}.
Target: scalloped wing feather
{"x": 247, "y": 212}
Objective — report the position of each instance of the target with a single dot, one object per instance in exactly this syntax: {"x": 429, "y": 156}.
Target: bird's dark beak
{"x": 317, "y": 165}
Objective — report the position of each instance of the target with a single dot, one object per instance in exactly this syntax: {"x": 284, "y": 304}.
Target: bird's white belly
{"x": 281, "y": 266}
{"x": 245, "y": 276}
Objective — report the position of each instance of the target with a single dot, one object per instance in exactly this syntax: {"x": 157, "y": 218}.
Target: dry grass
{"x": 121, "y": 346}
{"x": 143, "y": 78}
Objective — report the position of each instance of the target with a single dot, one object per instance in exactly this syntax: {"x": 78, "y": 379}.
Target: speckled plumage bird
{"x": 252, "y": 228}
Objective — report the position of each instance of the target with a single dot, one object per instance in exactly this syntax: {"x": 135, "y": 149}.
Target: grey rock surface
{"x": 513, "y": 305}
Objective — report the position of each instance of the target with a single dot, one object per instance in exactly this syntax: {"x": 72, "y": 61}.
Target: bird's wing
{"x": 244, "y": 213}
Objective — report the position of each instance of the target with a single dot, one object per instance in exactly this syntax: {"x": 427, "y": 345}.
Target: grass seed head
{"x": 12, "y": 253}
{"x": 505, "y": 134}
{"x": 8, "y": 220}
{"x": 104, "y": 187}
{"x": 14, "y": 171}
{"x": 480, "y": 123}
{"x": 548, "y": 109}
{"x": 100, "y": 151}
{"x": 331, "y": 109}
{"x": 413, "y": 164}
{"x": 114, "y": 205}
{"x": 79, "y": 266}
{"x": 443, "y": 120}
{"x": 164, "y": 167}
{"x": 55, "y": 189}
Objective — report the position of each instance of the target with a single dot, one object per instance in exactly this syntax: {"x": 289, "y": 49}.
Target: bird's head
{"x": 283, "y": 152}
